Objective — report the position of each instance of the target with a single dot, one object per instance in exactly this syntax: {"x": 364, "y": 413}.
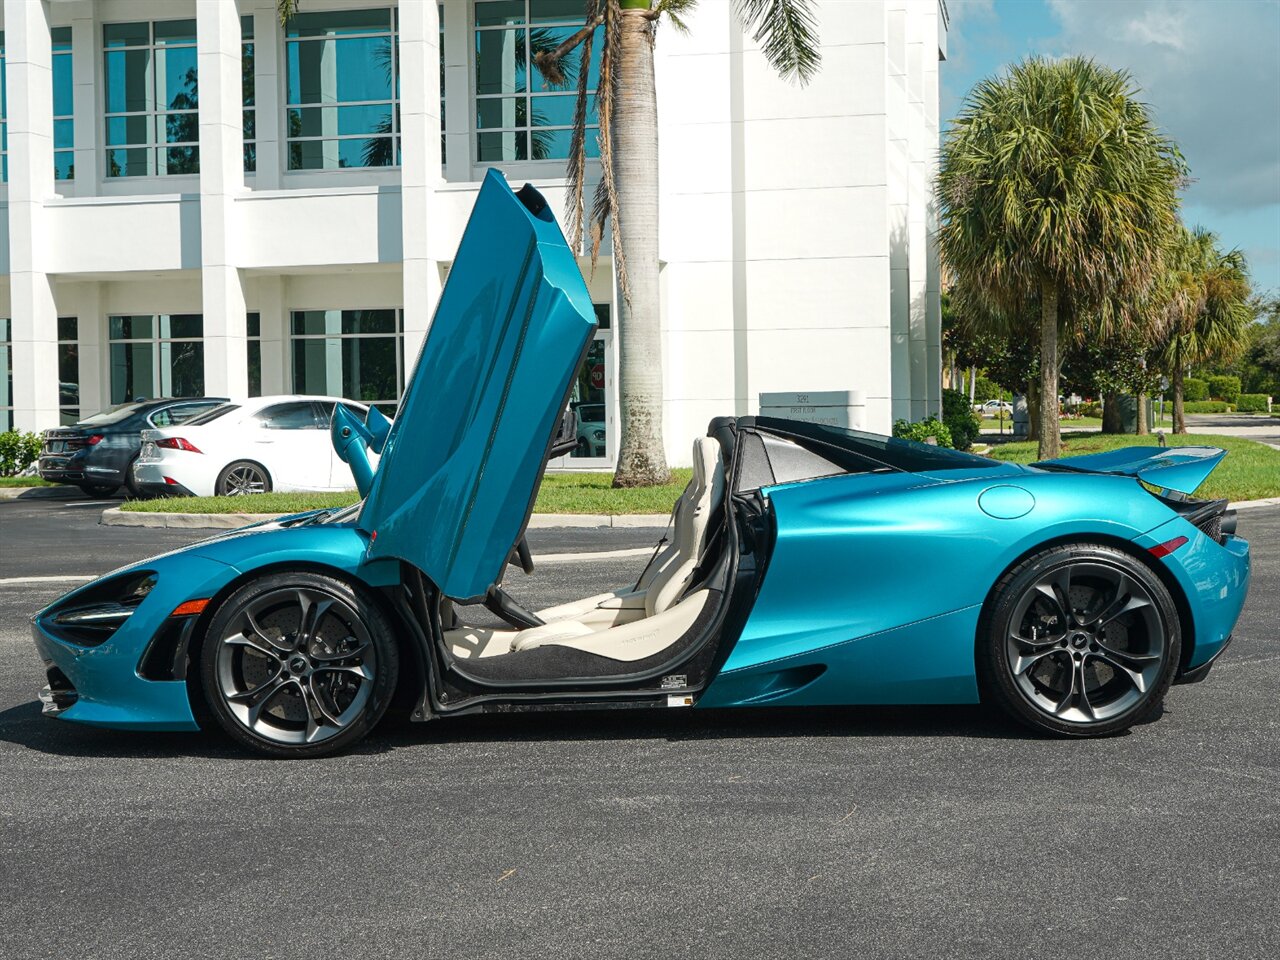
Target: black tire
{"x": 95, "y": 491}
{"x": 290, "y": 696}
{"x": 131, "y": 482}
{"x": 1104, "y": 669}
{"x": 241, "y": 477}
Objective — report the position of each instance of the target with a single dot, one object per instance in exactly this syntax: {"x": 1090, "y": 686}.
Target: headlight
{"x": 598, "y": 434}
{"x": 92, "y": 616}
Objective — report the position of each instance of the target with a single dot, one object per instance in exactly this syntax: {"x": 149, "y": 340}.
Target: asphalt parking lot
{"x": 834, "y": 833}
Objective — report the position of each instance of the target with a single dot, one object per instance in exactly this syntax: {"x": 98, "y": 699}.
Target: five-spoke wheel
{"x": 298, "y": 664}
{"x": 242, "y": 477}
{"x": 1081, "y": 639}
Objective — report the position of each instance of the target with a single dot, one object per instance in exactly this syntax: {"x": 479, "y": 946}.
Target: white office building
{"x": 197, "y": 201}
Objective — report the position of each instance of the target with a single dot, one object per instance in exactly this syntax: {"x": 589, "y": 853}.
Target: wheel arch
{"x": 1170, "y": 582}
{"x": 413, "y": 669}
{"x": 217, "y": 479}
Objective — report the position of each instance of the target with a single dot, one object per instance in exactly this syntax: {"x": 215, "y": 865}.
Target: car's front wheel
{"x": 1079, "y": 640}
{"x": 242, "y": 477}
{"x": 298, "y": 664}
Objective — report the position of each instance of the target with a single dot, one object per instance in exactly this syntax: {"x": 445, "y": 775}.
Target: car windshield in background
{"x": 591, "y": 413}
{"x": 211, "y": 415}
{"x": 108, "y": 417}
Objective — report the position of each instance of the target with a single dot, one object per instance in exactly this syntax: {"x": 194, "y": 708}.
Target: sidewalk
{"x": 115, "y": 517}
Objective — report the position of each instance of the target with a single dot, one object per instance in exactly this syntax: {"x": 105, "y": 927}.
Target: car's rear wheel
{"x": 298, "y": 664}
{"x": 1079, "y": 640}
{"x": 96, "y": 490}
{"x": 131, "y": 482}
{"x": 243, "y": 477}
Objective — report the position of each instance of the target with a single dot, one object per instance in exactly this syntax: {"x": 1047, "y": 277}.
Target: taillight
{"x": 93, "y": 440}
{"x": 178, "y": 443}
{"x": 1166, "y": 548}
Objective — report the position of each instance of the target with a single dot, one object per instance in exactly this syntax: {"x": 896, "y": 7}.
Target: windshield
{"x": 115, "y": 415}
{"x": 343, "y": 515}
{"x": 211, "y": 415}
{"x": 591, "y": 413}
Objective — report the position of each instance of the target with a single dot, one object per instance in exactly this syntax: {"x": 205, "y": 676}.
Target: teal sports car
{"x": 808, "y": 565}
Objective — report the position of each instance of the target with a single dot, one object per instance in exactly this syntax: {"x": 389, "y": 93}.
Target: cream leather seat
{"x": 628, "y": 624}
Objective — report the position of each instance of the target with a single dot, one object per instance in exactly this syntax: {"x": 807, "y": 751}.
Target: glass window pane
{"x": 554, "y": 144}
{"x": 181, "y": 368}
{"x": 502, "y": 112}
{"x": 369, "y": 368}
{"x": 128, "y": 130}
{"x": 337, "y": 23}
{"x": 317, "y": 367}
{"x": 64, "y": 165}
{"x": 553, "y": 111}
{"x": 180, "y": 160}
{"x": 175, "y": 31}
{"x": 342, "y": 154}
{"x": 246, "y": 74}
{"x": 253, "y": 324}
{"x": 254, "y": 348}
{"x": 67, "y": 327}
{"x": 250, "y": 158}
{"x": 303, "y": 322}
{"x": 180, "y": 127}
{"x": 62, "y": 86}
{"x": 181, "y": 325}
{"x": 250, "y": 125}
{"x": 61, "y": 37}
{"x": 131, "y": 328}
{"x": 500, "y": 61}
{"x": 131, "y": 372}
{"x": 177, "y": 86}
{"x": 68, "y": 375}
{"x": 541, "y": 11}
{"x": 339, "y": 121}
{"x": 368, "y": 321}
{"x": 64, "y": 135}
{"x": 502, "y": 12}
{"x": 246, "y": 28}
{"x": 299, "y": 415}
{"x": 547, "y": 39}
{"x": 127, "y": 87}
{"x": 500, "y": 147}
{"x": 126, "y": 34}
{"x": 335, "y": 71}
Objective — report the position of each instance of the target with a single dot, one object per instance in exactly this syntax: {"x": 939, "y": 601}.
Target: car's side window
{"x": 171, "y": 416}
{"x": 299, "y": 415}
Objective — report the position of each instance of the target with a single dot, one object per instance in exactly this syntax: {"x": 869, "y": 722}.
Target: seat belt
{"x": 671, "y": 519}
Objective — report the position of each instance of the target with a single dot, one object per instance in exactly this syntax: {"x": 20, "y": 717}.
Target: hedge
{"x": 920, "y": 432}
{"x": 18, "y": 451}
{"x": 1207, "y": 406}
{"x": 1194, "y": 390}
{"x": 1224, "y": 388}
{"x": 1254, "y": 403}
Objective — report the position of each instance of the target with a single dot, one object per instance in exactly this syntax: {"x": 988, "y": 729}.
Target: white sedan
{"x": 254, "y": 446}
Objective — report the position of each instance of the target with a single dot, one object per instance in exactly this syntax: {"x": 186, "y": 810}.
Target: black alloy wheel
{"x": 299, "y": 664}
{"x": 1079, "y": 640}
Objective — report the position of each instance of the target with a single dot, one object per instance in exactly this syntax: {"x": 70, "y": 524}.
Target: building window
{"x": 253, "y": 344}
{"x": 151, "y": 98}
{"x": 64, "y": 132}
{"x": 519, "y": 116}
{"x": 68, "y": 370}
{"x": 246, "y": 91}
{"x": 156, "y": 356}
{"x": 357, "y": 354}
{"x": 343, "y": 90}
{"x": 6, "y": 377}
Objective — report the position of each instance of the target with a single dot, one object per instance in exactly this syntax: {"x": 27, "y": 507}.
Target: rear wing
{"x": 1175, "y": 468}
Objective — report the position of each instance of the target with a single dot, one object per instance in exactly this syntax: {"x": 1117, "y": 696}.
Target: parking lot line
{"x": 8, "y": 581}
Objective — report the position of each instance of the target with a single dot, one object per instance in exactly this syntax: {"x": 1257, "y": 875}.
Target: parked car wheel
{"x": 242, "y": 477}
{"x": 131, "y": 482}
{"x": 298, "y": 664}
{"x": 1079, "y": 640}
{"x": 96, "y": 490}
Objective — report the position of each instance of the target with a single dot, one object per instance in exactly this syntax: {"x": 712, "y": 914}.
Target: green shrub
{"x": 1092, "y": 408}
{"x": 920, "y": 432}
{"x": 1224, "y": 388}
{"x": 1253, "y": 403}
{"x": 961, "y": 422}
{"x": 985, "y": 389}
{"x": 1194, "y": 389}
{"x": 1207, "y": 406}
{"x": 18, "y": 451}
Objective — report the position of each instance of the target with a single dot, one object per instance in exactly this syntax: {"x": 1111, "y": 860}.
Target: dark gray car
{"x": 97, "y": 453}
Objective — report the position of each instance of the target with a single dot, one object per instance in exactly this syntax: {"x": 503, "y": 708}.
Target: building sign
{"x": 837, "y": 408}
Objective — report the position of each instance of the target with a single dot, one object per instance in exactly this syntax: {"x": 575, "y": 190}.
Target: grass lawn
{"x": 1250, "y": 471}
{"x": 25, "y": 482}
{"x": 560, "y": 493}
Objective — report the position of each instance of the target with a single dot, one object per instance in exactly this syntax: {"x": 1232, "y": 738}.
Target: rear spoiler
{"x": 1176, "y": 468}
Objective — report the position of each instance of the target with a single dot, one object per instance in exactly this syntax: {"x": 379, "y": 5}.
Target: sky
{"x": 1210, "y": 70}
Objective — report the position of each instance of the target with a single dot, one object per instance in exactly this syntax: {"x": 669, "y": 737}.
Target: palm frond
{"x": 605, "y": 206}
{"x": 787, "y": 32}
{"x": 675, "y": 11}
{"x": 285, "y": 9}
{"x": 577, "y": 173}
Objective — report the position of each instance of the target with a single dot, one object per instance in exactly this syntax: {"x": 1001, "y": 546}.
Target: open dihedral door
{"x": 466, "y": 451}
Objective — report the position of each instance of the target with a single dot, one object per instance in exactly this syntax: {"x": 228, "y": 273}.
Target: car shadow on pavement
{"x": 24, "y": 726}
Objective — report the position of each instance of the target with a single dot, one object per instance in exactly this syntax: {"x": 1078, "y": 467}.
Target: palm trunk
{"x": 1112, "y": 420}
{"x": 641, "y": 460}
{"x": 1140, "y": 428}
{"x": 1047, "y": 418}
{"x": 1179, "y": 412}
{"x": 1033, "y": 410}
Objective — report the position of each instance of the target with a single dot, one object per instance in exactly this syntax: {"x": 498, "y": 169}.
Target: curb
{"x": 1249, "y": 504}
{"x": 115, "y": 517}
{"x": 61, "y": 492}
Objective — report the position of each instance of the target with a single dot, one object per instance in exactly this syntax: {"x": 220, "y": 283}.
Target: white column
{"x": 899, "y": 171}
{"x": 457, "y": 89}
{"x": 932, "y": 29}
{"x": 267, "y": 52}
{"x": 29, "y": 79}
{"x": 420, "y": 173}
{"x": 85, "y": 41}
{"x": 919, "y": 192}
{"x": 274, "y": 319}
{"x": 226, "y": 370}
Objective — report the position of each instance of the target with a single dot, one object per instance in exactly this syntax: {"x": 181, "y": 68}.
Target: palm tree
{"x": 1208, "y": 307}
{"x": 1056, "y": 187}
{"x": 627, "y": 195}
